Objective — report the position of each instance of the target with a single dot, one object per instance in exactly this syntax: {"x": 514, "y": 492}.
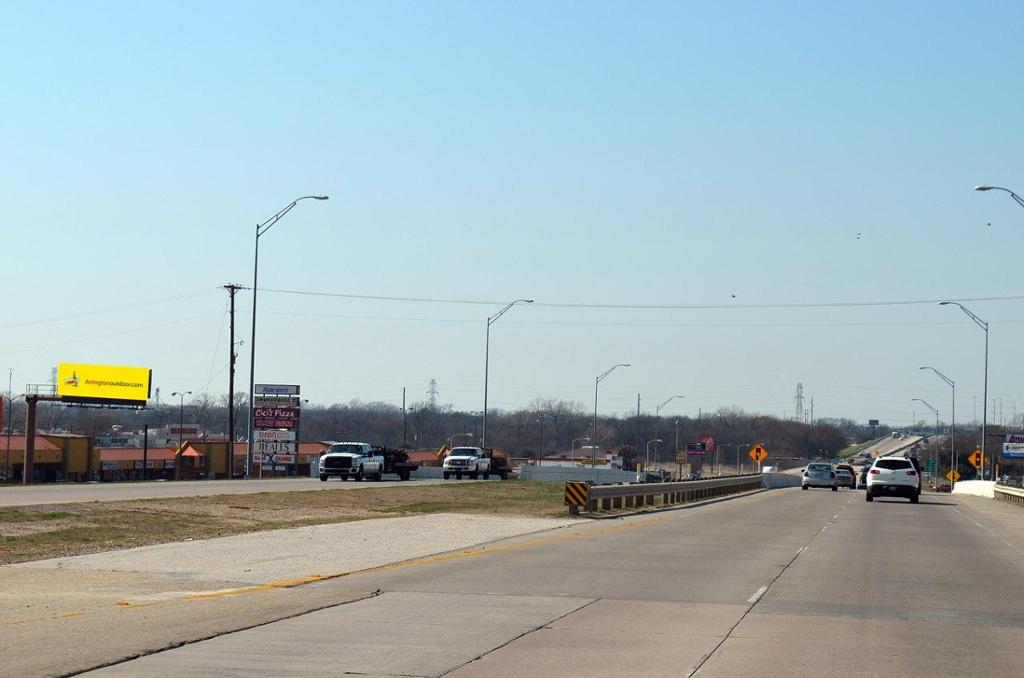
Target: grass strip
{"x": 36, "y": 532}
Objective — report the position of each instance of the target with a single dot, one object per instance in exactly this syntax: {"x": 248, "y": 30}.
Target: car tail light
{"x": 911, "y": 473}
{"x": 874, "y": 471}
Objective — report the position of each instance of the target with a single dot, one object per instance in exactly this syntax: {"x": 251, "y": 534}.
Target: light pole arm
{"x": 970, "y": 314}
{"x": 610, "y": 370}
{"x": 493, "y": 318}
{"x": 949, "y": 382}
{"x": 918, "y": 400}
{"x": 269, "y": 223}
{"x": 1019, "y": 200}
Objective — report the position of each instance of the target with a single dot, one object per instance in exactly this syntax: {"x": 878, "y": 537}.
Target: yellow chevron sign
{"x": 576, "y": 494}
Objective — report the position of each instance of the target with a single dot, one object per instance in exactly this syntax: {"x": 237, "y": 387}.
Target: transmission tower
{"x": 799, "y": 402}
{"x": 432, "y": 392}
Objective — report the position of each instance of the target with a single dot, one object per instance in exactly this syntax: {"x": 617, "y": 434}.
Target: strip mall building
{"x": 74, "y": 458}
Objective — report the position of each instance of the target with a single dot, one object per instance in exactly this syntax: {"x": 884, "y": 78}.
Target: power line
{"x": 638, "y": 306}
{"x": 108, "y": 309}
{"x": 570, "y": 323}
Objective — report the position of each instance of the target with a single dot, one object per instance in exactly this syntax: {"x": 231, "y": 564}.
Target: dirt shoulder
{"x": 49, "y": 531}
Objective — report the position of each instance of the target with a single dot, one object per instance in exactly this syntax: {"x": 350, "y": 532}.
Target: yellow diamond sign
{"x": 758, "y": 453}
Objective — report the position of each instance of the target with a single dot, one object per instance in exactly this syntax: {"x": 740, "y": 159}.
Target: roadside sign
{"x": 273, "y": 435}
{"x": 758, "y": 453}
{"x": 262, "y": 458}
{"x": 929, "y": 466}
{"x": 975, "y": 459}
{"x": 276, "y": 401}
{"x": 273, "y": 446}
{"x": 1013, "y": 446}
{"x": 275, "y": 417}
{"x": 709, "y": 443}
{"x": 277, "y": 389}
{"x": 872, "y": 422}
{"x": 952, "y": 475}
{"x": 576, "y": 494}
{"x": 682, "y": 457}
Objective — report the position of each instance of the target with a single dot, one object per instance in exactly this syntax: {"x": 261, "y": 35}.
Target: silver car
{"x": 819, "y": 475}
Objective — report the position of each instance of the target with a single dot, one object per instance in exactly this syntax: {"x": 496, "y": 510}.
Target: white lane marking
{"x": 976, "y": 522}
{"x": 835, "y": 516}
{"x": 800, "y": 550}
{"x": 758, "y": 593}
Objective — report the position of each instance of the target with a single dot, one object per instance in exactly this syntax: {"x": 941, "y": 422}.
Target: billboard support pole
{"x": 145, "y": 452}
{"x": 29, "y": 462}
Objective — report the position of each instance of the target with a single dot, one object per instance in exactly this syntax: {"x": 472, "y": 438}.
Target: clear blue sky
{"x": 651, "y": 153}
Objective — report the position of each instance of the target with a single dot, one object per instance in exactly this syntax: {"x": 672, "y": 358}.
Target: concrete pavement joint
{"x": 172, "y": 646}
{"x": 545, "y": 625}
{"x": 757, "y": 599}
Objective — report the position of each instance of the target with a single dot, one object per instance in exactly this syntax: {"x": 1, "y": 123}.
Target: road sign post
{"x": 758, "y": 453}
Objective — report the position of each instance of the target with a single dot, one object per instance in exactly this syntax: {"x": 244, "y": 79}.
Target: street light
{"x": 487, "y": 360}
{"x": 984, "y": 398}
{"x": 657, "y": 420}
{"x": 597, "y": 381}
{"x": 260, "y": 230}
{"x": 952, "y": 423}
{"x": 936, "y": 413}
{"x": 1017, "y": 198}
{"x": 181, "y": 416}
{"x": 647, "y": 459}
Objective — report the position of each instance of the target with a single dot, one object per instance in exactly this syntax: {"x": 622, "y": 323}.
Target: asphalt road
{"x": 781, "y": 583}
{"x": 21, "y": 495}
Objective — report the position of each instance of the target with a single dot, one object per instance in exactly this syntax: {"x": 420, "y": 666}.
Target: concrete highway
{"x": 29, "y": 495}
{"x": 780, "y": 583}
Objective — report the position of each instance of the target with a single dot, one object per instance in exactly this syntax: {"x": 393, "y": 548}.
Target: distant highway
{"x": 781, "y": 583}
{"x": 34, "y": 495}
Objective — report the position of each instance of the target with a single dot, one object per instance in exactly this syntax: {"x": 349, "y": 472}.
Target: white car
{"x": 470, "y": 461}
{"x": 819, "y": 475}
{"x": 893, "y": 477}
{"x": 351, "y": 460}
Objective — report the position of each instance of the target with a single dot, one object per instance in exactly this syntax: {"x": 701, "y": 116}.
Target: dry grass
{"x": 31, "y": 533}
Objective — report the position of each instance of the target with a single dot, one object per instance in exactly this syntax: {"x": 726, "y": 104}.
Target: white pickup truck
{"x": 352, "y": 460}
{"x": 469, "y": 461}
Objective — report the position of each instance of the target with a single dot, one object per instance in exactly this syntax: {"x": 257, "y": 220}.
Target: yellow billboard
{"x": 77, "y": 381}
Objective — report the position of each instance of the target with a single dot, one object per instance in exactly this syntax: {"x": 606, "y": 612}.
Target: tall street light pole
{"x": 1019, "y": 200}
{"x": 952, "y": 423}
{"x": 657, "y": 420}
{"x": 487, "y": 361}
{"x": 984, "y": 398}
{"x": 597, "y": 382}
{"x": 936, "y": 413}
{"x": 261, "y": 229}
{"x": 647, "y": 462}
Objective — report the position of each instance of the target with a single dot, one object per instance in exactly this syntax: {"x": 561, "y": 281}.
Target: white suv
{"x": 893, "y": 477}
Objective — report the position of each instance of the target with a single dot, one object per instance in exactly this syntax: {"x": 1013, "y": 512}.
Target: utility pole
{"x": 230, "y": 467}
{"x": 405, "y": 421}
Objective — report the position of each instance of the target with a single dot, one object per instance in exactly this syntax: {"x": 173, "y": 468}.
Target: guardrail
{"x": 607, "y": 497}
{"x": 1014, "y": 495}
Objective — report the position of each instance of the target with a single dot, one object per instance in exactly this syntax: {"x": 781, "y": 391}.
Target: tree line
{"x": 544, "y": 426}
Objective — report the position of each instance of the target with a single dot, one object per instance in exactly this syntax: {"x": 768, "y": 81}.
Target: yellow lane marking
{"x": 440, "y": 558}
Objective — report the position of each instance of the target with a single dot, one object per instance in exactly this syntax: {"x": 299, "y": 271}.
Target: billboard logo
{"x": 72, "y": 380}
